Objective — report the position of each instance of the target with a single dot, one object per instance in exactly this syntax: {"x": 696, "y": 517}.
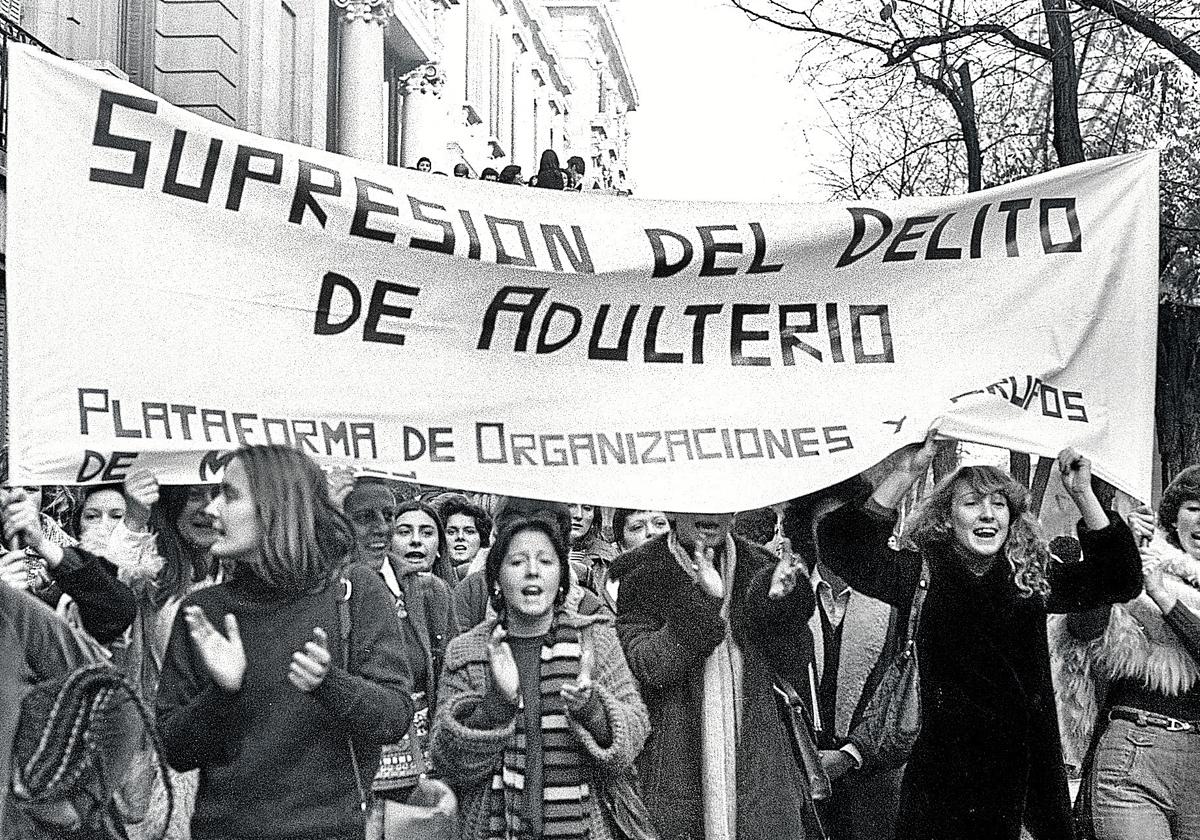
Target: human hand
{"x": 787, "y": 571}
{"x": 1156, "y": 589}
{"x": 1076, "y": 471}
{"x": 505, "y": 678}
{"x": 310, "y": 666}
{"x": 1141, "y": 522}
{"x": 224, "y": 658}
{"x": 21, "y": 517}
{"x": 578, "y": 695}
{"x": 906, "y": 467}
{"x": 141, "y": 492}
{"x": 14, "y": 570}
{"x": 707, "y": 576}
{"x": 837, "y": 763}
{"x": 341, "y": 482}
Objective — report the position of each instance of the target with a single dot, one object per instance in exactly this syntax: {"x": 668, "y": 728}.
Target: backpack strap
{"x": 344, "y": 620}
{"x": 346, "y": 589}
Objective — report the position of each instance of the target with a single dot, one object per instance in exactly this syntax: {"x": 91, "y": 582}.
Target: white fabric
{"x": 787, "y": 354}
{"x": 722, "y": 704}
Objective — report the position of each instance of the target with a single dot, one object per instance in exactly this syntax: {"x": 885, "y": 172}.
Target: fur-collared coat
{"x": 467, "y": 756}
{"x": 668, "y": 628}
{"x": 989, "y": 759}
{"x": 1136, "y": 644}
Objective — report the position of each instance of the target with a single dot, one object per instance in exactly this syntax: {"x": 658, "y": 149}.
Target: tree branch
{"x": 899, "y": 52}
{"x": 1146, "y": 26}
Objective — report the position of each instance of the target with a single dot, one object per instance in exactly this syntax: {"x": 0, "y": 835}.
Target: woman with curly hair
{"x": 283, "y": 725}
{"x": 1129, "y": 678}
{"x": 988, "y": 761}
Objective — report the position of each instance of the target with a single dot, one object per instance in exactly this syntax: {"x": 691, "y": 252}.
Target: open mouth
{"x": 531, "y": 591}
{"x": 986, "y": 533}
{"x": 414, "y": 555}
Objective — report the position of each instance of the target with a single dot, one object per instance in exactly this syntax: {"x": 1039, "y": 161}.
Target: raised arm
{"x": 853, "y": 540}
{"x": 667, "y": 627}
{"x": 1110, "y": 571}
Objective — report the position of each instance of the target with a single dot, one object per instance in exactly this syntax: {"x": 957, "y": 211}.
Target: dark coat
{"x": 430, "y": 605}
{"x": 989, "y": 756}
{"x": 668, "y": 628}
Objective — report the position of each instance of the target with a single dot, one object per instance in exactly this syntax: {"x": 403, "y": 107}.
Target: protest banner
{"x": 178, "y": 288}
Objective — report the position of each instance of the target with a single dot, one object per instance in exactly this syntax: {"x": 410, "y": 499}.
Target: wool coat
{"x": 668, "y": 628}
{"x": 467, "y": 756}
{"x": 989, "y": 756}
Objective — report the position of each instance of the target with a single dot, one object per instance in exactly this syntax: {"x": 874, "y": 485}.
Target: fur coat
{"x": 1137, "y": 644}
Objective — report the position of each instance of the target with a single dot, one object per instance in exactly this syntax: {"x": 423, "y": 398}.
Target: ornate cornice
{"x": 367, "y": 11}
{"x": 427, "y": 78}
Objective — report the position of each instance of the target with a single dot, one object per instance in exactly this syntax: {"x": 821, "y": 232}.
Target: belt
{"x": 1144, "y": 718}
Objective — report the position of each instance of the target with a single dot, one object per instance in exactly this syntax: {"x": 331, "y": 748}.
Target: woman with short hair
{"x": 1129, "y": 676}
{"x": 285, "y": 728}
{"x": 538, "y": 708}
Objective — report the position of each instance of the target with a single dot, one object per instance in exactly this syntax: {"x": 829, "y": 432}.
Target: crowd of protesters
{"x": 549, "y": 176}
{"x": 296, "y": 654}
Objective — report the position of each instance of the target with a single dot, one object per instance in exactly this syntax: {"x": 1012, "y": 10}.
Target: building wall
{"x": 485, "y": 82}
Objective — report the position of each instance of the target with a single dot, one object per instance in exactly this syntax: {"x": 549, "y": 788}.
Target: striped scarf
{"x": 565, "y": 792}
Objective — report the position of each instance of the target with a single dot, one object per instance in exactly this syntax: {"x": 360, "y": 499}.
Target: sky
{"x": 718, "y": 118}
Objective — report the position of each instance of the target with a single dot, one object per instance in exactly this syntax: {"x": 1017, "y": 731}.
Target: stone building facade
{"x": 481, "y": 82}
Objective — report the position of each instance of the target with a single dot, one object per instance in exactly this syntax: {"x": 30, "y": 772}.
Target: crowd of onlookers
{"x": 550, "y": 175}
{"x": 319, "y": 655}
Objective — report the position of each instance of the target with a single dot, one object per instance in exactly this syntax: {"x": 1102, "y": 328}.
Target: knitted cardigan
{"x": 1137, "y": 644}
{"x": 467, "y": 757}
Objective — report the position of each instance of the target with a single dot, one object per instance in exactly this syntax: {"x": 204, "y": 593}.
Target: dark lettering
{"x": 364, "y": 206}
{"x": 908, "y": 233}
{"x": 580, "y": 258}
{"x": 242, "y": 173}
{"x": 306, "y": 188}
{"x": 576, "y": 316}
{"x": 201, "y": 192}
{"x": 332, "y": 280}
{"x": 663, "y": 268}
{"x": 502, "y": 303}
{"x": 503, "y": 257}
{"x": 859, "y": 215}
{"x": 378, "y": 308}
{"x": 738, "y": 335}
{"x": 619, "y": 353}
{"x": 443, "y": 246}
{"x": 708, "y": 265}
{"x": 103, "y": 137}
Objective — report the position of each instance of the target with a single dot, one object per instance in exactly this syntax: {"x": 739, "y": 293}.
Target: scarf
{"x": 721, "y": 700}
{"x": 565, "y": 792}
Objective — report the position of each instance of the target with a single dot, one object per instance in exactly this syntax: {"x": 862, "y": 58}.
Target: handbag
{"x": 623, "y": 809}
{"x": 431, "y": 813}
{"x": 891, "y": 720}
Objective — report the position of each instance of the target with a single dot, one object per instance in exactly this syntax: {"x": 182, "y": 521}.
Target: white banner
{"x": 177, "y": 288}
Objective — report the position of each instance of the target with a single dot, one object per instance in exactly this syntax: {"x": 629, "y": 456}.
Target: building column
{"x": 422, "y": 133}
{"x": 523, "y": 137}
{"x": 362, "y": 108}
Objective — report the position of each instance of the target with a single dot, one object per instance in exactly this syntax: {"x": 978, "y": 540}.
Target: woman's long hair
{"x": 182, "y": 563}
{"x": 549, "y": 174}
{"x": 303, "y": 537}
{"x": 1024, "y": 549}
{"x": 442, "y": 567}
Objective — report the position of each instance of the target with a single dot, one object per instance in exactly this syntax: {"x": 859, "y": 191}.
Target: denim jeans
{"x": 1145, "y": 784}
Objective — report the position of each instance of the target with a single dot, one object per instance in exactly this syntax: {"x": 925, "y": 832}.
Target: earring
{"x": 496, "y": 590}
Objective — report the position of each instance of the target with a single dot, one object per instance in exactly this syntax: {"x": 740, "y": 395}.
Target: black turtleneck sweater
{"x": 274, "y": 761}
